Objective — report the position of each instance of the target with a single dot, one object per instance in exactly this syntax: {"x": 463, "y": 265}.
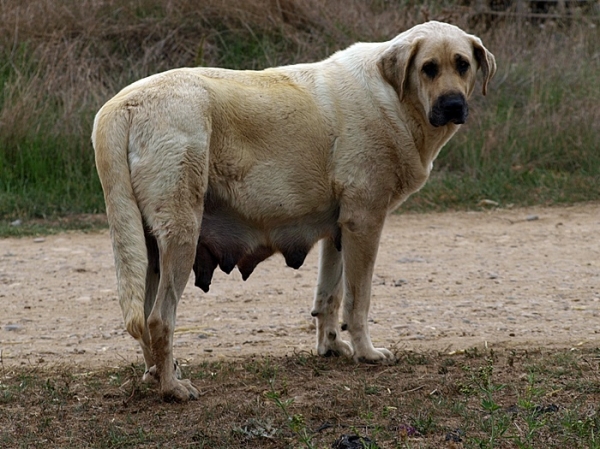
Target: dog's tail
{"x": 110, "y": 138}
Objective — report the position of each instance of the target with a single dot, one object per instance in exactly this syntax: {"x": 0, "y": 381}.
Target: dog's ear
{"x": 486, "y": 62}
{"x": 395, "y": 63}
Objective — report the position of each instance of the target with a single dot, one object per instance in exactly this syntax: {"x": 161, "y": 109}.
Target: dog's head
{"x": 434, "y": 64}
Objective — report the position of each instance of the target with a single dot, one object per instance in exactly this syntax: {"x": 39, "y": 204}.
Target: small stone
{"x": 13, "y": 327}
{"x": 39, "y": 240}
{"x": 353, "y": 442}
{"x": 455, "y": 436}
{"x": 16, "y": 223}
{"x": 540, "y": 410}
{"x": 532, "y": 218}
{"x": 487, "y": 202}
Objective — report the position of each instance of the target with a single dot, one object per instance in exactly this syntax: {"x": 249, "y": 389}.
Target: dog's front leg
{"x": 327, "y": 302}
{"x": 361, "y": 232}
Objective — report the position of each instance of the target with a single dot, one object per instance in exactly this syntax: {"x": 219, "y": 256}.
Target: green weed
{"x": 296, "y": 422}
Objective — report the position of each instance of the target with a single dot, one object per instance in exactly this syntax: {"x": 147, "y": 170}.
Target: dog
{"x": 206, "y": 167}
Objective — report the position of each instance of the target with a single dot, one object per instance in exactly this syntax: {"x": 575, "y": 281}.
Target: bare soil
{"x": 447, "y": 282}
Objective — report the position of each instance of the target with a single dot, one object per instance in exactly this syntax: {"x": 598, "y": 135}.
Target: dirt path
{"x": 450, "y": 281}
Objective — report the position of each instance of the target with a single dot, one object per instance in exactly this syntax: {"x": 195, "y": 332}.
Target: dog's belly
{"x": 227, "y": 239}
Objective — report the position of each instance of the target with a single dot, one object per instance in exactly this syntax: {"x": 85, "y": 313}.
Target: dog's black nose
{"x": 449, "y": 108}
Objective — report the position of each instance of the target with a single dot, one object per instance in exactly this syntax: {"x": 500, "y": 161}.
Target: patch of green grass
{"x": 45, "y": 177}
{"x": 249, "y": 49}
{"x": 54, "y": 225}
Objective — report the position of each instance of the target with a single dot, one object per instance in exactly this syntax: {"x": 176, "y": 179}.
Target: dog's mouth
{"x": 449, "y": 108}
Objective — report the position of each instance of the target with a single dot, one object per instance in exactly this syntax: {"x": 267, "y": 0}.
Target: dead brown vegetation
{"x": 61, "y": 60}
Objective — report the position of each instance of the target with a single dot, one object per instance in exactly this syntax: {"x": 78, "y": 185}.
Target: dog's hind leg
{"x": 327, "y": 302}
{"x": 152, "y": 280}
{"x": 174, "y": 216}
{"x": 177, "y": 253}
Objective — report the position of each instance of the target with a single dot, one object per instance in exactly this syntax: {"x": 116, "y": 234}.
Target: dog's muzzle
{"x": 449, "y": 108}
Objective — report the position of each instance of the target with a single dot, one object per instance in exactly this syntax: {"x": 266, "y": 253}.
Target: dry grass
{"x": 534, "y": 139}
{"x": 81, "y": 52}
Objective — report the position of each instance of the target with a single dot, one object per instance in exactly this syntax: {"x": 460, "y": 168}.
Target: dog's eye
{"x": 462, "y": 66}
{"x": 430, "y": 69}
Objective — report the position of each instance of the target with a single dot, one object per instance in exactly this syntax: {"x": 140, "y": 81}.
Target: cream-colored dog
{"x": 210, "y": 167}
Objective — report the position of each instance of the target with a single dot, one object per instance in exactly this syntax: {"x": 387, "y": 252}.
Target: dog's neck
{"x": 428, "y": 138}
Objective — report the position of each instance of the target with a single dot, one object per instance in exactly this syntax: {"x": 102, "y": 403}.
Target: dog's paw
{"x": 179, "y": 391}
{"x": 374, "y": 355}
{"x": 335, "y": 348}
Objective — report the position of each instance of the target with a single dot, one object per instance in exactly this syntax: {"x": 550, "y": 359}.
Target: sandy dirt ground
{"x": 445, "y": 282}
